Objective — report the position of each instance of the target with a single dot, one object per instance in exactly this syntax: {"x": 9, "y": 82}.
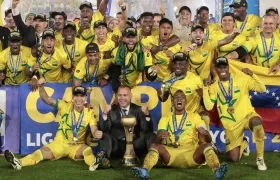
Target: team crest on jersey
{"x": 188, "y": 123}
{"x": 236, "y": 89}
{"x": 188, "y": 91}
{"x": 249, "y": 29}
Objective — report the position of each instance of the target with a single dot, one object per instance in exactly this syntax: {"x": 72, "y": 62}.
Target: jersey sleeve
{"x": 66, "y": 63}
{"x": 60, "y": 104}
{"x": 163, "y": 124}
{"x": 148, "y": 59}
{"x": 31, "y": 61}
{"x": 114, "y": 54}
{"x": 249, "y": 44}
{"x": 80, "y": 71}
{"x": 97, "y": 16}
{"x": 3, "y": 62}
{"x": 209, "y": 96}
{"x": 212, "y": 44}
{"x": 93, "y": 119}
{"x": 198, "y": 121}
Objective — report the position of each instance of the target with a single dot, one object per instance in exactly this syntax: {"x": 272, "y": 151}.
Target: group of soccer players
{"x": 193, "y": 67}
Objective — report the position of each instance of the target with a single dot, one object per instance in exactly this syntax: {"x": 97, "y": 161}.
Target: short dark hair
{"x": 157, "y": 14}
{"x": 123, "y": 87}
{"x": 119, "y": 13}
{"x": 228, "y": 14}
{"x": 179, "y": 91}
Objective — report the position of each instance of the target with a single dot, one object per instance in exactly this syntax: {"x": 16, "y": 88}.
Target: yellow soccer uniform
{"x": 240, "y": 40}
{"x": 250, "y": 24}
{"x": 88, "y": 34}
{"x": 162, "y": 60}
{"x": 14, "y": 72}
{"x": 201, "y": 58}
{"x": 75, "y": 54}
{"x": 62, "y": 145}
{"x": 84, "y": 71}
{"x": 237, "y": 121}
{"x": 51, "y": 65}
{"x": 132, "y": 76}
{"x": 188, "y": 85}
{"x": 116, "y": 31}
{"x": 109, "y": 45}
{"x": 58, "y": 36}
{"x": 210, "y": 31}
{"x": 257, "y": 50}
{"x": 182, "y": 157}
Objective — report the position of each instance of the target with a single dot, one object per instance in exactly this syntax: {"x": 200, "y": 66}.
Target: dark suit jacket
{"x": 114, "y": 127}
{"x": 4, "y": 34}
{"x": 28, "y": 33}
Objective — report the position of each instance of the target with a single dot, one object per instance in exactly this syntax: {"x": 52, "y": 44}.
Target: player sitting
{"x": 181, "y": 149}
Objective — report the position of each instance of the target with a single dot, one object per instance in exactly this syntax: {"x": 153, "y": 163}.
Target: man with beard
{"x": 49, "y": 63}
{"x": 73, "y": 47}
{"x": 67, "y": 142}
{"x": 60, "y": 19}
{"x": 31, "y": 35}
{"x": 90, "y": 68}
{"x": 247, "y": 23}
{"x": 130, "y": 60}
{"x": 85, "y": 26}
{"x": 203, "y": 18}
{"x": 231, "y": 93}
{"x": 13, "y": 61}
{"x": 200, "y": 53}
{"x": 181, "y": 131}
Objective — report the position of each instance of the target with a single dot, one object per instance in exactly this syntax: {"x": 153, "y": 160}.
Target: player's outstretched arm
{"x": 43, "y": 94}
{"x": 209, "y": 96}
{"x": 228, "y": 39}
{"x": 254, "y": 83}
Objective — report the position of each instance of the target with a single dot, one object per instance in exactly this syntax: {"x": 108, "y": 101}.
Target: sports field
{"x": 66, "y": 169}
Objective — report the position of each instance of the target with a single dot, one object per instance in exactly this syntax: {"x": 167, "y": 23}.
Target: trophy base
{"x": 130, "y": 161}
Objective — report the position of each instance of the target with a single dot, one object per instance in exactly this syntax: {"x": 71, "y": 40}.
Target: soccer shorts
{"x": 181, "y": 157}
{"x": 234, "y": 136}
{"x": 60, "y": 149}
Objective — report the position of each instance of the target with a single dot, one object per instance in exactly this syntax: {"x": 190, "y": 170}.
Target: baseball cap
{"x": 165, "y": 20}
{"x": 79, "y": 90}
{"x": 14, "y": 36}
{"x": 40, "y": 16}
{"x": 85, "y": 4}
{"x": 221, "y": 61}
{"x": 239, "y": 3}
{"x": 92, "y": 48}
{"x": 62, "y": 13}
{"x": 179, "y": 57}
{"x": 185, "y": 8}
{"x": 274, "y": 9}
{"x": 48, "y": 33}
{"x": 8, "y": 11}
{"x": 197, "y": 26}
{"x": 202, "y": 8}
{"x": 130, "y": 31}
{"x": 70, "y": 24}
{"x": 99, "y": 23}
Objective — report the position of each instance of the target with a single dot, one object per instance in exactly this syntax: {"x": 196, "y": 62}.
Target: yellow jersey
{"x": 265, "y": 52}
{"x": 210, "y": 31}
{"x": 65, "y": 132}
{"x": 88, "y": 34}
{"x": 162, "y": 60}
{"x": 200, "y": 59}
{"x": 249, "y": 25}
{"x": 116, "y": 31}
{"x": 188, "y": 85}
{"x": 87, "y": 73}
{"x": 14, "y": 65}
{"x": 58, "y": 37}
{"x": 51, "y": 65}
{"x": 241, "y": 103}
{"x": 188, "y": 136}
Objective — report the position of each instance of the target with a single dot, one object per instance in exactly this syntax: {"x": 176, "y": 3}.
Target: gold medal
{"x": 75, "y": 140}
{"x": 176, "y": 144}
{"x": 230, "y": 110}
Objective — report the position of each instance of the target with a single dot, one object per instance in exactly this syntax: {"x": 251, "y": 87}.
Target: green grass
{"x": 75, "y": 170}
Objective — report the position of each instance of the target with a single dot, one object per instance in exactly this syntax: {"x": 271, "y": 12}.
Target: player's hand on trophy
{"x": 162, "y": 135}
{"x": 97, "y": 134}
{"x": 35, "y": 66}
{"x": 145, "y": 110}
{"x": 15, "y": 3}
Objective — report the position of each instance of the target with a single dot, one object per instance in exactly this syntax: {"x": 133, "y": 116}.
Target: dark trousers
{"x": 116, "y": 148}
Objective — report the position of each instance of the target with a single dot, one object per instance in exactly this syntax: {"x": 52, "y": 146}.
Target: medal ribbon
{"x": 271, "y": 48}
{"x": 228, "y": 96}
{"x": 76, "y": 126}
{"x": 207, "y": 34}
{"x": 14, "y": 69}
{"x": 72, "y": 55}
{"x": 174, "y": 78}
{"x": 45, "y": 61}
{"x": 243, "y": 24}
{"x": 177, "y": 130}
{"x": 93, "y": 77}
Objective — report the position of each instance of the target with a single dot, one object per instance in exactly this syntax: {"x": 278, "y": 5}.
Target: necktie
{"x": 124, "y": 111}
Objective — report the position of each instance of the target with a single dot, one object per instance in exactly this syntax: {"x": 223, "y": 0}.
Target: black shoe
{"x": 102, "y": 160}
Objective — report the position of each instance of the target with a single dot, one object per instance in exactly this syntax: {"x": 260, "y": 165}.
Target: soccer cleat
{"x": 102, "y": 160}
{"x": 140, "y": 173}
{"x": 221, "y": 171}
{"x": 10, "y": 157}
{"x": 261, "y": 165}
{"x": 246, "y": 151}
{"x": 94, "y": 166}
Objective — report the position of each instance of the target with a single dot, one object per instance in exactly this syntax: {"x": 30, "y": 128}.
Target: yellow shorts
{"x": 181, "y": 157}
{"x": 60, "y": 149}
{"x": 234, "y": 136}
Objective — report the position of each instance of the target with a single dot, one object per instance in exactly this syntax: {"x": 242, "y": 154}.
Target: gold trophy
{"x": 129, "y": 158}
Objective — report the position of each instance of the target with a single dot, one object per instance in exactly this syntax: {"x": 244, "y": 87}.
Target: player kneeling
{"x": 181, "y": 131}
{"x": 70, "y": 137}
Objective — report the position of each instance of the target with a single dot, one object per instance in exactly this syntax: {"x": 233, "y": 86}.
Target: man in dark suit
{"x": 114, "y": 141}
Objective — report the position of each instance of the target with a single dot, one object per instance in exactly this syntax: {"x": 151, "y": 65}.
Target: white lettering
{"x": 44, "y": 138}
{"x": 39, "y": 139}
{"x": 29, "y": 143}
{"x": 214, "y": 136}
{"x": 223, "y": 137}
